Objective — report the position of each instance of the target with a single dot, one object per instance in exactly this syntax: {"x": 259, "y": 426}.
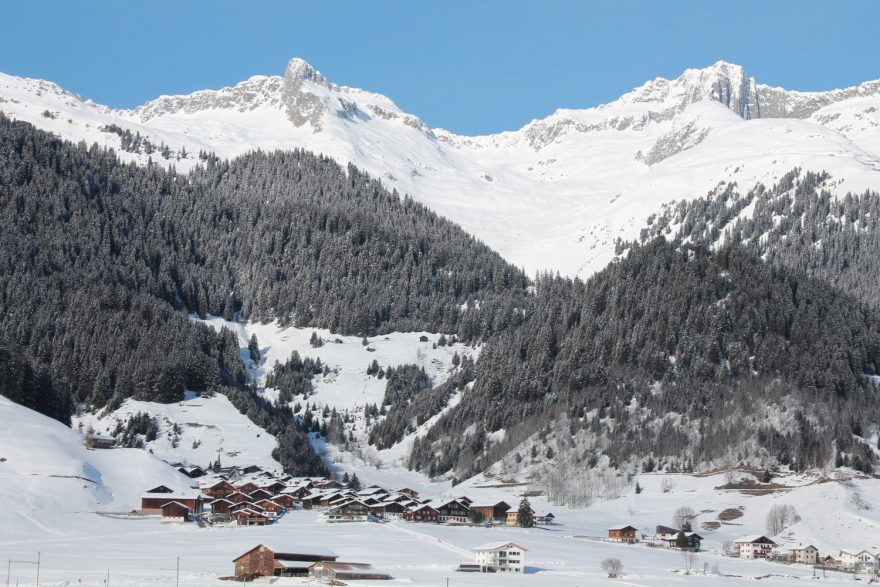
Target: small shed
{"x": 340, "y": 571}
{"x": 174, "y": 511}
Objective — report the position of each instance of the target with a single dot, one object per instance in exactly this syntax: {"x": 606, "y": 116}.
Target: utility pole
{"x": 177, "y": 581}
{"x": 38, "y": 569}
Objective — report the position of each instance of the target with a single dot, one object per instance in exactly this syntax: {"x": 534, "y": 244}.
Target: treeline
{"x": 795, "y": 223}
{"x": 413, "y": 401}
{"x": 672, "y": 329}
{"x": 32, "y": 385}
{"x": 293, "y": 378}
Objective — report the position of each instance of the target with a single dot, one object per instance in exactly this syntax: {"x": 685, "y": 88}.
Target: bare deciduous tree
{"x": 683, "y": 518}
{"x": 780, "y": 517}
{"x": 613, "y": 567}
{"x": 690, "y": 559}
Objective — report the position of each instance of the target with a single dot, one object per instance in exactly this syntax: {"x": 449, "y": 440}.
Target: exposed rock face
{"x": 303, "y": 107}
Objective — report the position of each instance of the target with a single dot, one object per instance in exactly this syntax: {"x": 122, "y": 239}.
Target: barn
{"x": 151, "y": 503}
{"x": 494, "y": 511}
{"x": 262, "y": 561}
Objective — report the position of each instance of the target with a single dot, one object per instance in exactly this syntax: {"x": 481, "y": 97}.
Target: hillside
{"x": 553, "y": 195}
{"x": 52, "y": 482}
{"x": 56, "y": 516}
{"x": 674, "y": 357}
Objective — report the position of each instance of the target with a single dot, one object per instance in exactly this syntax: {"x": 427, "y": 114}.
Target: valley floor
{"x": 81, "y": 547}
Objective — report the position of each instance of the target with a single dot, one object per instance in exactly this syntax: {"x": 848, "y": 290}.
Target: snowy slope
{"x": 208, "y": 427}
{"x": 554, "y": 194}
{"x": 347, "y": 386}
{"x": 48, "y": 471}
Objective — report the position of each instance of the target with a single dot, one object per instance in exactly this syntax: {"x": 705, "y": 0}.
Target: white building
{"x": 807, "y": 555}
{"x": 754, "y": 546}
{"x": 858, "y": 561}
{"x": 504, "y": 557}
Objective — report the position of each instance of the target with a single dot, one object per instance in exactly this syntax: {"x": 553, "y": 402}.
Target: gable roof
{"x": 752, "y": 538}
{"x": 498, "y": 545}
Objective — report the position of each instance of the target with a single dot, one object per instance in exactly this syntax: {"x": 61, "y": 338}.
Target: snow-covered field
{"x": 56, "y": 496}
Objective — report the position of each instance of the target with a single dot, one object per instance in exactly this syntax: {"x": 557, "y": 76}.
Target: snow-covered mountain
{"x": 554, "y": 194}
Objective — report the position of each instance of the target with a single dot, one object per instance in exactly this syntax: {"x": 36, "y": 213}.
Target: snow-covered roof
{"x": 171, "y": 496}
{"x": 498, "y": 546}
{"x": 752, "y": 538}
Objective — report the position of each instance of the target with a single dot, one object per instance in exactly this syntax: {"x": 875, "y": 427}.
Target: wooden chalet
{"x": 328, "y": 499}
{"x": 311, "y": 501}
{"x": 545, "y": 519}
{"x": 421, "y": 513}
{"x": 270, "y": 507}
{"x": 453, "y": 511}
{"x": 623, "y": 534}
{"x": 497, "y": 511}
{"x": 298, "y": 493}
{"x": 339, "y": 571}
{"x": 174, "y": 511}
{"x": 238, "y": 497}
{"x": 462, "y": 499}
{"x": 274, "y": 487}
{"x": 389, "y": 510}
{"x": 259, "y": 494}
{"x": 247, "y": 488}
{"x": 101, "y": 441}
{"x": 692, "y": 541}
{"x": 250, "y": 469}
{"x": 245, "y": 505}
{"x": 351, "y": 510}
{"x": 284, "y": 500}
{"x": 250, "y": 517}
{"x": 412, "y": 493}
{"x": 327, "y": 484}
{"x": 221, "y": 506}
{"x": 193, "y": 472}
{"x": 221, "y": 488}
{"x": 151, "y": 503}
{"x": 160, "y": 489}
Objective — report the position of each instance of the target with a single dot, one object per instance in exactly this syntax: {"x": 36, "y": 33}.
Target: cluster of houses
{"x": 855, "y": 561}
{"x": 247, "y": 496}
{"x": 253, "y": 496}
{"x": 663, "y": 536}
{"x": 755, "y": 546}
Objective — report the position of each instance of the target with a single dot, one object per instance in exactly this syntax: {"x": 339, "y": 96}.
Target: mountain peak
{"x": 299, "y": 70}
{"x": 722, "y": 82}
{"x": 303, "y": 106}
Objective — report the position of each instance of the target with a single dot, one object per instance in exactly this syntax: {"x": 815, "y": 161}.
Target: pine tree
{"x": 254, "y": 349}
{"x": 681, "y": 540}
{"x": 525, "y": 515}
{"x": 354, "y": 483}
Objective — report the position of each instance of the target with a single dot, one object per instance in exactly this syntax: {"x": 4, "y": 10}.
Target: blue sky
{"x": 470, "y": 66}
